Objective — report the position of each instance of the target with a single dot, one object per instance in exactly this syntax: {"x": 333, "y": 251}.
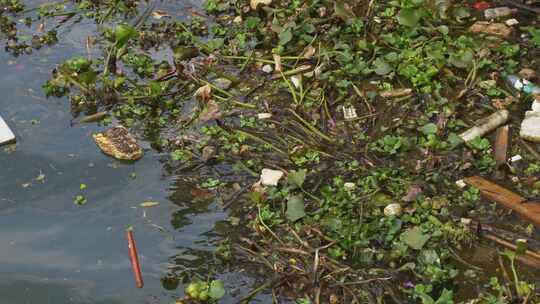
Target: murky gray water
{"x": 54, "y": 251}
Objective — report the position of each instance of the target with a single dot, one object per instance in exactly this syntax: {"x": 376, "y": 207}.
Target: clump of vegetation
{"x": 206, "y": 291}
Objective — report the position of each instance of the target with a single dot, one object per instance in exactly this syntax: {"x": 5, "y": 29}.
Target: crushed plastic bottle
{"x": 523, "y": 85}
{"x": 498, "y": 12}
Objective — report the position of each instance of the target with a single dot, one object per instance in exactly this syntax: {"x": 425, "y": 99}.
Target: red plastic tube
{"x": 134, "y": 259}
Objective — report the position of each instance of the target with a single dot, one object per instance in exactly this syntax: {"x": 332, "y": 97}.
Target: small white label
{"x": 515, "y": 158}
{"x": 349, "y": 113}
{"x": 264, "y": 115}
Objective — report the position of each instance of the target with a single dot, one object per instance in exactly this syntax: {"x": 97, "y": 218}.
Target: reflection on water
{"x": 54, "y": 251}
{"x": 57, "y": 252}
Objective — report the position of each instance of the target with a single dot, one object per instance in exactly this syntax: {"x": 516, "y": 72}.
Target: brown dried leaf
{"x": 309, "y": 52}
{"x": 412, "y": 194}
{"x": 201, "y": 193}
{"x": 204, "y": 93}
{"x": 210, "y": 112}
{"x": 493, "y": 29}
{"x": 208, "y": 152}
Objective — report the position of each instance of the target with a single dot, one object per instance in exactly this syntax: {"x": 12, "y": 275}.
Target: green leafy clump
{"x": 206, "y": 291}
{"x": 390, "y": 144}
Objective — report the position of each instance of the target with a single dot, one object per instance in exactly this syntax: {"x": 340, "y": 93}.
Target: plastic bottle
{"x": 530, "y": 88}
{"x": 498, "y": 12}
{"x": 523, "y": 85}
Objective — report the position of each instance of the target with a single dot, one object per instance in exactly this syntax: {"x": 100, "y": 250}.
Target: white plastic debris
{"x": 349, "y": 186}
{"x": 157, "y": 14}
{"x": 393, "y": 210}
{"x": 255, "y": 3}
{"x": 237, "y": 19}
{"x": 349, "y": 113}
{"x": 536, "y": 105}
{"x": 461, "y": 184}
{"x": 486, "y": 125}
{"x": 267, "y": 69}
{"x": 466, "y": 221}
{"x": 515, "y": 158}
{"x": 270, "y": 177}
{"x": 318, "y": 71}
{"x": 530, "y": 127}
{"x": 297, "y": 81}
{"x": 264, "y": 115}
{"x": 6, "y": 135}
{"x": 511, "y": 22}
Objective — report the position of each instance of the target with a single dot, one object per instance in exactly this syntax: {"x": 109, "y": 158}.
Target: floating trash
{"x": 6, "y": 135}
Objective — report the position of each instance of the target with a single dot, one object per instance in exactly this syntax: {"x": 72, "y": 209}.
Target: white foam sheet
{"x": 6, "y": 135}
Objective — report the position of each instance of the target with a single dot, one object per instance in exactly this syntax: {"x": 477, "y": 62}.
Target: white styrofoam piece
{"x": 530, "y": 127}
{"x": 536, "y": 105}
{"x": 6, "y": 135}
{"x": 511, "y": 22}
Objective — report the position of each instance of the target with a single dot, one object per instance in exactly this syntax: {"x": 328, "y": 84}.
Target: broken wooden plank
{"x": 6, "y": 135}
{"x": 507, "y": 198}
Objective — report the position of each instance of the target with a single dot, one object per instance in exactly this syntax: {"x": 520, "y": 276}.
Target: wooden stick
{"x": 530, "y": 149}
{"x": 134, "y": 259}
{"x": 526, "y": 259}
{"x": 505, "y": 243}
{"x": 493, "y": 192}
{"x": 504, "y": 234}
{"x": 501, "y": 146}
